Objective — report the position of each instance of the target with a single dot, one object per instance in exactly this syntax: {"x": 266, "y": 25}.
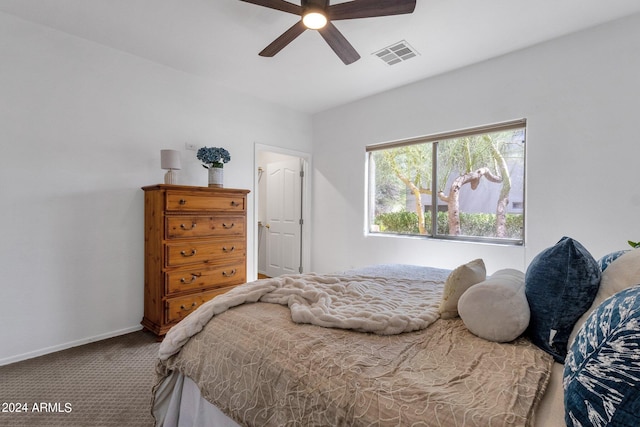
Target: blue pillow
{"x": 602, "y": 372}
{"x": 609, "y": 258}
{"x": 560, "y": 283}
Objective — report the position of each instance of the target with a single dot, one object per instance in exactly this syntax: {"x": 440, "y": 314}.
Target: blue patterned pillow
{"x": 560, "y": 283}
{"x": 602, "y": 370}
{"x": 609, "y": 258}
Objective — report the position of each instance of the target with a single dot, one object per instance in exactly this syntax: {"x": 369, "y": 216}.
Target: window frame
{"x": 434, "y": 139}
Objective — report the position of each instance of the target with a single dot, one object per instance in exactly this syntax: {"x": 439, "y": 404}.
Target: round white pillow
{"x": 497, "y": 308}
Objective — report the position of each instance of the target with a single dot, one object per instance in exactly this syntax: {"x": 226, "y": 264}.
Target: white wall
{"x": 81, "y": 129}
{"x": 580, "y": 96}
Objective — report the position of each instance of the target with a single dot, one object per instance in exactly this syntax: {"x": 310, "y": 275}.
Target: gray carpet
{"x": 107, "y": 383}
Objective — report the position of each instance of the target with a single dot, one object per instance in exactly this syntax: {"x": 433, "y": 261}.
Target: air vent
{"x": 396, "y": 53}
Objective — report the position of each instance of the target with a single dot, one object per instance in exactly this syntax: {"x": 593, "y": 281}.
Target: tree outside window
{"x": 461, "y": 185}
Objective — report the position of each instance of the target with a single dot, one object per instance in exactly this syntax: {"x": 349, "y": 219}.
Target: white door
{"x": 284, "y": 217}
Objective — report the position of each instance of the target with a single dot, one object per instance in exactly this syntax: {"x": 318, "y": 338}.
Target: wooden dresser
{"x": 195, "y": 244}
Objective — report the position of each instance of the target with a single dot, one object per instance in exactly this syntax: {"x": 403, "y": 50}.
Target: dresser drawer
{"x": 215, "y": 252}
{"x": 178, "y": 308}
{"x": 201, "y": 278}
{"x": 185, "y": 201}
{"x": 204, "y": 226}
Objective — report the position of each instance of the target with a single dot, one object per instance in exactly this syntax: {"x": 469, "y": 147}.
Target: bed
{"x": 370, "y": 346}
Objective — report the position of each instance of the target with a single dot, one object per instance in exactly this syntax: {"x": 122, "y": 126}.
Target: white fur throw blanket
{"x": 384, "y": 306}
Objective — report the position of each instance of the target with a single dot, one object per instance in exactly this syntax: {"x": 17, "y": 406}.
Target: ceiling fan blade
{"x": 339, "y": 44}
{"x": 282, "y": 5}
{"x": 287, "y": 37}
{"x": 370, "y": 8}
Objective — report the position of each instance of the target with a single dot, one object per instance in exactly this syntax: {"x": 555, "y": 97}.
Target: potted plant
{"x": 213, "y": 159}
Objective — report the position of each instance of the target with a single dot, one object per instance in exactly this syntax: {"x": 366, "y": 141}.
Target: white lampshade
{"x": 170, "y": 159}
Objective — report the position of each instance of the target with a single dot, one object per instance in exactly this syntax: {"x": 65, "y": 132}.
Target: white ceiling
{"x": 220, "y": 40}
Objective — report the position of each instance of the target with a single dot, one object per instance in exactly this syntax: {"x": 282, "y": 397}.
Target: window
{"x": 466, "y": 185}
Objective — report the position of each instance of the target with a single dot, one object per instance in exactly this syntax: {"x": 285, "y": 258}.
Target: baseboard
{"x": 55, "y": 348}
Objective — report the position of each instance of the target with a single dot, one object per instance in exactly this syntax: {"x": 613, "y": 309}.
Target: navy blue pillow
{"x": 560, "y": 283}
{"x": 602, "y": 372}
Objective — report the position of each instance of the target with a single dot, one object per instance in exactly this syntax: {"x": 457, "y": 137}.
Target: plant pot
{"x": 216, "y": 177}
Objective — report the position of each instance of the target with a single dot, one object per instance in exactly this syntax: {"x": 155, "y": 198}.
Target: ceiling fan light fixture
{"x": 314, "y": 19}
{"x": 320, "y": 14}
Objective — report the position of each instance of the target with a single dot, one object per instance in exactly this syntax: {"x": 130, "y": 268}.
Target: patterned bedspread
{"x": 378, "y": 304}
{"x": 262, "y": 369}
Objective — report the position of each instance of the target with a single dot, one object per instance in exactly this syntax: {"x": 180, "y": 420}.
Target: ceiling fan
{"x": 318, "y": 14}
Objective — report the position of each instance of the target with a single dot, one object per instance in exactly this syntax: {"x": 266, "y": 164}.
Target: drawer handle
{"x": 182, "y": 307}
{"x": 224, "y": 249}
{"x": 185, "y": 254}
{"x": 182, "y": 201}
{"x": 184, "y": 227}
{"x": 235, "y": 204}
{"x": 194, "y": 277}
{"x": 233, "y": 273}
{"x": 228, "y": 227}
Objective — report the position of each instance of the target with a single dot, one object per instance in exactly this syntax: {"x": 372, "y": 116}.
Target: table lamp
{"x": 170, "y": 160}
